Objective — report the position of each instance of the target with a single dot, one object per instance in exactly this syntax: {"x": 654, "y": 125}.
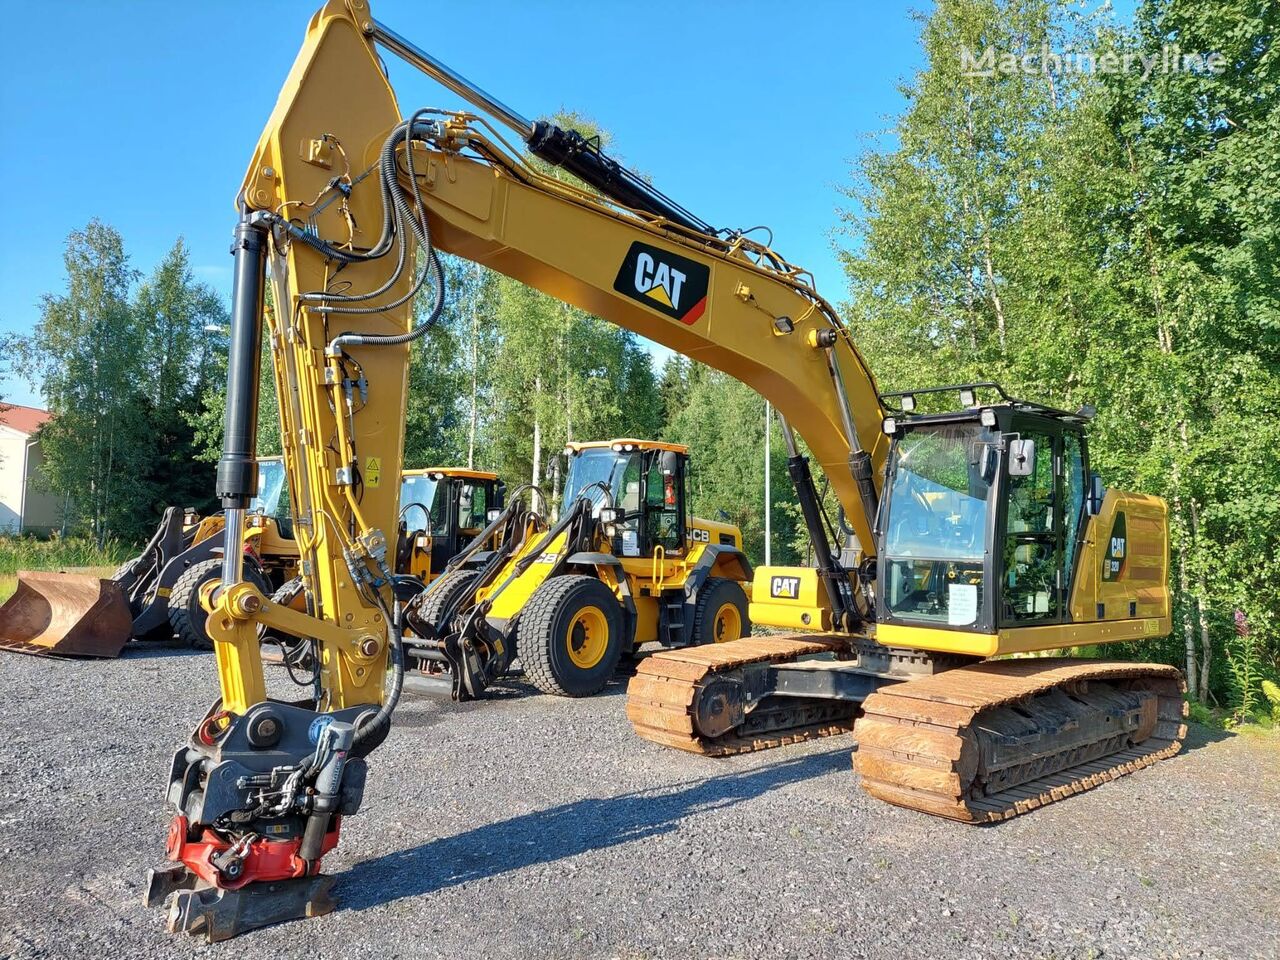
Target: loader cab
{"x": 441, "y": 510}
{"x": 646, "y": 484}
{"x": 981, "y": 513}
{"x": 272, "y": 498}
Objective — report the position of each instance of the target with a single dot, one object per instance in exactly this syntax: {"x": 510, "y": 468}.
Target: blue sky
{"x": 144, "y": 113}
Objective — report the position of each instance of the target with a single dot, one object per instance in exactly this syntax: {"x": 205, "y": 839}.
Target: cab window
{"x": 662, "y": 509}
{"x": 472, "y": 506}
{"x": 1031, "y": 540}
{"x": 1074, "y": 484}
{"x": 936, "y": 525}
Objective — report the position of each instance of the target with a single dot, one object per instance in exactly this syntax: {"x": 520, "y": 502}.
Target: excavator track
{"x": 662, "y": 698}
{"x": 997, "y": 739}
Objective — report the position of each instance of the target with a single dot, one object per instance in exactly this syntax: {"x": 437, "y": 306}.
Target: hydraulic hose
{"x": 376, "y": 728}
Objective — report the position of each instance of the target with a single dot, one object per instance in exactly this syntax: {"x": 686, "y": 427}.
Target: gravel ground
{"x": 529, "y": 826}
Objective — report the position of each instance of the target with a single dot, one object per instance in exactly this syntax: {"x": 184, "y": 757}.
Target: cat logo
{"x": 1117, "y": 551}
{"x": 669, "y": 283}
{"x": 784, "y": 588}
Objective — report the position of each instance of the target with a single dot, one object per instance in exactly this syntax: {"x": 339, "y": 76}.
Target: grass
{"x": 78, "y": 554}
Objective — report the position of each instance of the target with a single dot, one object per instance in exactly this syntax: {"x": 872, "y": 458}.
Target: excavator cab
{"x": 989, "y": 526}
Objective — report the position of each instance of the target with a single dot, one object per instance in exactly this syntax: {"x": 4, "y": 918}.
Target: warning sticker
{"x": 372, "y": 471}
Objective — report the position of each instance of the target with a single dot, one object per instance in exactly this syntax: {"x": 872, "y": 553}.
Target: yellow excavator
{"x": 978, "y": 530}
{"x": 624, "y": 565}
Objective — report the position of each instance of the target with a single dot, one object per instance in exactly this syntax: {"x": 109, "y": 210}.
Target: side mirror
{"x": 1022, "y": 457}
{"x": 493, "y": 515}
{"x": 1097, "y": 492}
{"x": 668, "y": 462}
{"x": 499, "y": 495}
{"x": 987, "y": 463}
{"x": 610, "y": 514}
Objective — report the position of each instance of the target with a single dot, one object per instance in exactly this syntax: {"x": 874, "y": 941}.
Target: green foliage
{"x": 722, "y": 422}
{"x": 87, "y": 348}
{"x": 1271, "y": 692}
{"x": 59, "y": 553}
{"x": 1106, "y": 238}
{"x": 118, "y": 370}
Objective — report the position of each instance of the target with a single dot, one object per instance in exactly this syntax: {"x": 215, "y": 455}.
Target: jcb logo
{"x": 667, "y": 282}
{"x": 784, "y": 588}
{"x": 698, "y": 535}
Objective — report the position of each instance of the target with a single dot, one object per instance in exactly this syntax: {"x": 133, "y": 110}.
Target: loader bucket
{"x": 65, "y": 615}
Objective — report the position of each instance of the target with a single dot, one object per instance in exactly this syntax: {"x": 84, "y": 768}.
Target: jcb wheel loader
{"x": 442, "y": 509}
{"x": 624, "y": 566}
{"x": 980, "y": 531}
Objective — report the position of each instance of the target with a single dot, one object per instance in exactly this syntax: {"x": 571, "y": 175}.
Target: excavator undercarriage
{"x": 947, "y": 735}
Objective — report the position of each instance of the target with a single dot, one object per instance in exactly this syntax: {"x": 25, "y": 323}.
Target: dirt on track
{"x": 532, "y": 826}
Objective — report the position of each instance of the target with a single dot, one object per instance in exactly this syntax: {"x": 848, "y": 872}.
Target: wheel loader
{"x": 623, "y": 567}
{"x": 154, "y": 596}
{"x": 979, "y": 528}
{"x": 442, "y": 510}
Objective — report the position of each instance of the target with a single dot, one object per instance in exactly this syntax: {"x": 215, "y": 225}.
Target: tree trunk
{"x": 996, "y": 304}
{"x": 1206, "y": 657}
{"x": 475, "y": 387}
{"x": 537, "y": 430}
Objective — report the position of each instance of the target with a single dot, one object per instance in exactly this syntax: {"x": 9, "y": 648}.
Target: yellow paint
{"x": 587, "y": 637}
{"x": 1019, "y": 639}
{"x": 1144, "y": 582}
{"x": 791, "y": 598}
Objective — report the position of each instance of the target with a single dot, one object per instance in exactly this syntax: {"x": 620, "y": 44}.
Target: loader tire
{"x": 569, "y": 637}
{"x": 445, "y": 593}
{"x": 721, "y": 613}
{"x": 186, "y": 616}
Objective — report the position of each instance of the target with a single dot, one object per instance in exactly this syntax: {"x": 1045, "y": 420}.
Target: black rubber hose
{"x": 377, "y": 727}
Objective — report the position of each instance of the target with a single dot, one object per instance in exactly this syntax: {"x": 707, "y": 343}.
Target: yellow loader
{"x": 155, "y": 595}
{"x": 624, "y": 566}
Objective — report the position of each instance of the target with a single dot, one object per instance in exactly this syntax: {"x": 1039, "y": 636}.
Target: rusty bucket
{"x": 65, "y": 615}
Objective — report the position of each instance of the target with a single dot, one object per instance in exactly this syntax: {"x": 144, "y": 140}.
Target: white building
{"x": 24, "y": 507}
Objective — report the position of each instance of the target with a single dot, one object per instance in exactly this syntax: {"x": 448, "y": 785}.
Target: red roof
{"x": 26, "y": 420}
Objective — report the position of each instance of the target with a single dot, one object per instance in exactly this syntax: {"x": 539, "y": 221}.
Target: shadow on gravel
{"x": 564, "y": 831}
{"x": 515, "y": 687}
{"x": 1199, "y": 736}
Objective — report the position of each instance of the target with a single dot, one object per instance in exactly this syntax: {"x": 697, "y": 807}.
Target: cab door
{"x": 1032, "y": 528}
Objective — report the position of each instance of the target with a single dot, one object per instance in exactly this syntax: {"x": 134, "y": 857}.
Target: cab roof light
{"x": 967, "y": 397}
{"x": 988, "y": 417}
{"x": 908, "y": 403}
{"x": 889, "y": 426}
